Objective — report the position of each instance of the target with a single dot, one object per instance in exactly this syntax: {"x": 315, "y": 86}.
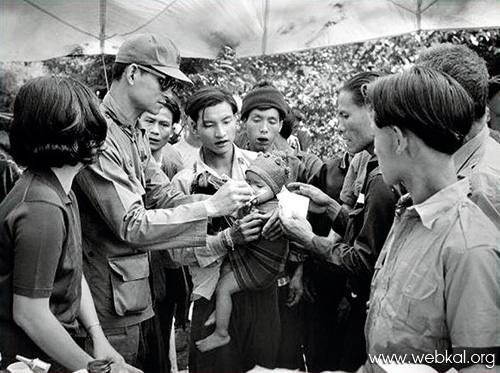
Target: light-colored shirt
{"x": 188, "y": 152}
{"x": 205, "y": 263}
{"x": 170, "y": 161}
{"x": 479, "y": 159}
{"x": 436, "y": 284}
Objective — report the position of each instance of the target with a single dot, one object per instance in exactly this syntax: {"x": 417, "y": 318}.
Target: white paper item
{"x": 292, "y": 204}
{"x": 19, "y": 367}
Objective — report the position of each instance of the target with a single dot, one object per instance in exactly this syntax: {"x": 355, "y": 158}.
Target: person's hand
{"x": 104, "y": 351}
{"x": 229, "y": 198}
{"x": 247, "y": 229}
{"x": 297, "y": 229}
{"x": 318, "y": 201}
{"x": 272, "y": 229}
{"x": 124, "y": 368}
{"x": 296, "y": 287}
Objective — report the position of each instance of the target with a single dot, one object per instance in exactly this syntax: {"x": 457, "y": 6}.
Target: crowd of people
{"x": 125, "y": 230}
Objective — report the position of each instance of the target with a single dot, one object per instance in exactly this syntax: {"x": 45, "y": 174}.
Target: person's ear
{"x": 401, "y": 140}
{"x": 131, "y": 72}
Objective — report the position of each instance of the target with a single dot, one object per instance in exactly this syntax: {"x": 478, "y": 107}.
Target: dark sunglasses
{"x": 165, "y": 82}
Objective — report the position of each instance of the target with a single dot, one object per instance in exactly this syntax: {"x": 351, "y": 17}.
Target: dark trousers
{"x": 324, "y": 334}
{"x": 170, "y": 300}
{"x": 254, "y": 329}
{"x": 292, "y": 333}
{"x": 354, "y": 344}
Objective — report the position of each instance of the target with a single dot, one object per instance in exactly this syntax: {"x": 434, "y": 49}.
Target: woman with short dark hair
{"x": 44, "y": 298}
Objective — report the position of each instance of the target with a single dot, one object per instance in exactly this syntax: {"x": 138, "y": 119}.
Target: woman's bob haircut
{"x": 57, "y": 122}
{"x": 425, "y": 101}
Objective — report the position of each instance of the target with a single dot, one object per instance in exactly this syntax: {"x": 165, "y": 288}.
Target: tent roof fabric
{"x": 39, "y": 29}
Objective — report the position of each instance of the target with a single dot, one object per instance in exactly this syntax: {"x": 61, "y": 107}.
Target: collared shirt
{"x": 355, "y": 178}
{"x": 129, "y": 205}
{"x": 436, "y": 284}
{"x": 205, "y": 263}
{"x": 479, "y": 159}
{"x": 170, "y": 161}
{"x": 188, "y": 151}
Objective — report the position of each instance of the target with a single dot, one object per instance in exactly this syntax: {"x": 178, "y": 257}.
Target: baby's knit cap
{"x": 273, "y": 169}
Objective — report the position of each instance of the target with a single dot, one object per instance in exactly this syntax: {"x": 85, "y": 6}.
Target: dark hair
{"x": 355, "y": 85}
{"x": 293, "y": 116}
{"x": 263, "y": 83}
{"x": 465, "y": 66}
{"x": 207, "y": 97}
{"x": 118, "y": 70}
{"x": 174, "y": 107}
{"x": 57, "y": 122}
{"x": 427, "y": 102}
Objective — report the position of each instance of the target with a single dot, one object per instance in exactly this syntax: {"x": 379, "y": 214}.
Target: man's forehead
{"x": 265, "y": 112}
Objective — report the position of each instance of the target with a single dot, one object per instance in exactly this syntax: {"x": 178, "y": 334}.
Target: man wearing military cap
{"x": 128, "y": 205}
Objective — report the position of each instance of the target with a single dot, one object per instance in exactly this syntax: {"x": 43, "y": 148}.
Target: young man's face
{"x": 354, "y": 123}
{"x": 390, "y": 162}
{"x": 159, "y": 127}
{"x": 262, "y": 128}
{"x": 216, "y": 129}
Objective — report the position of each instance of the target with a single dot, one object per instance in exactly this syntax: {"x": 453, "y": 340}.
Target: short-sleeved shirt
{"x": 436, "y": 284}
{"x": 41, "y": 247}
{"x": 479, "y": 160}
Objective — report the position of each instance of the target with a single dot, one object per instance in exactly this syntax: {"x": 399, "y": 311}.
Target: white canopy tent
{"x": 41, "y": 29}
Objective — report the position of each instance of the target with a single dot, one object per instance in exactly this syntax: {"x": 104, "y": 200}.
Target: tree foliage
{"x": 309, "y": 79}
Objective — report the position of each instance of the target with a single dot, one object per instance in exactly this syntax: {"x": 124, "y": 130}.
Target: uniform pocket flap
{"x": 130, "y": 267}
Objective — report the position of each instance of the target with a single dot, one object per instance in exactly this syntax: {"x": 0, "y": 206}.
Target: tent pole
{"x": 266, "y": 21}
{"x": 419, "y": 15}
{"x": 102, "y": 36}
{"x": 105, "y": 72}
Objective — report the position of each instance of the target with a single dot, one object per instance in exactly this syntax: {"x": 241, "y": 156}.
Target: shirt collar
{"x": 470, "y": 153}
{"x": 241, "y": 161}
{"x": 116, "y": 113}
{"x": 435, "y": 206}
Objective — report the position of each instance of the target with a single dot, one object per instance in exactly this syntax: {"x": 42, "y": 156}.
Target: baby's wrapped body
{"x": 257, "y": 265}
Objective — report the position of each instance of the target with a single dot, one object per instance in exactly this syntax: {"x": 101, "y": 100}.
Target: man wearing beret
{"x": 128, "y": 205}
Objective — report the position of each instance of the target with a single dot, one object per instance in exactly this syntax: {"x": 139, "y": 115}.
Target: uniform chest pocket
{"x": 422, "y": 306}
{"x": 130, "y": 283}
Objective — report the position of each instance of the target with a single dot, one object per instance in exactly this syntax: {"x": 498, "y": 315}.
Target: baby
{"x": 256, "y": 265}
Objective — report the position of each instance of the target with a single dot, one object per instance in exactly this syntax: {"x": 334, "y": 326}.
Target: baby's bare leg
{"x": 223, "y": 306}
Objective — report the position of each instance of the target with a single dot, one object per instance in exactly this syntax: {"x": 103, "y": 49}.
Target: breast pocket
{"x": 130, "y": 283}
{"x": 422, "y": 305}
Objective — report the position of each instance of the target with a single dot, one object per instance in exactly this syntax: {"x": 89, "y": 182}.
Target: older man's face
{"x": 262, "y": 128}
